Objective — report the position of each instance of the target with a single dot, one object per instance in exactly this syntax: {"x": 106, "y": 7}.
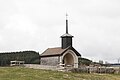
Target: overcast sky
{"x": 38, "y": 24}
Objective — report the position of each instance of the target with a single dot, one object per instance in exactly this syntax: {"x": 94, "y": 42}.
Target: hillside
{"x": 30, "y": 57}
{"x": 15, "y": 73}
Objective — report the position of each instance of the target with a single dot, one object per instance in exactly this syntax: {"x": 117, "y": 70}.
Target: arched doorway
{"x": 68, "y": 60}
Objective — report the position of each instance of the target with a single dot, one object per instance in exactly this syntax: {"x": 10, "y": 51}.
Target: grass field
{"x": 16, "y": 73}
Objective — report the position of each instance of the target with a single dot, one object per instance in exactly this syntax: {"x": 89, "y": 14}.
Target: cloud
{"x": 18, "y": 31}
{"x": 38, "y": 24}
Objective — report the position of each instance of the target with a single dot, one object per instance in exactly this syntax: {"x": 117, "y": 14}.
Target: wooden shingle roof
{"x": 53, "y": 51}
{"x": 57, "y": 51}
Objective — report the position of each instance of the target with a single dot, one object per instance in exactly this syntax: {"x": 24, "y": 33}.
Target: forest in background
{"x": 30, "y": 57}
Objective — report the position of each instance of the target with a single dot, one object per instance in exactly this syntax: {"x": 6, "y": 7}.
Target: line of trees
{"x": 30, "y": 57}
{"x": 84, "y": 61}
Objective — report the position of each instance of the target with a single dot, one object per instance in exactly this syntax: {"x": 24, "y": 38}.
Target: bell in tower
{"x": 66, "y": 38}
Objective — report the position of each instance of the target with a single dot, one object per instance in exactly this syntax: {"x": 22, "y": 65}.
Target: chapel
{"x": 65, "y": 55}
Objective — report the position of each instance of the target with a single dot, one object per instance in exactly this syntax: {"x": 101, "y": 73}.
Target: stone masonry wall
{"x": 52, "y": 61}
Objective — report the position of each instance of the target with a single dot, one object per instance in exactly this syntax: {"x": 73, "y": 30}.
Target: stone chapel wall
{"x": 52, "y": 61}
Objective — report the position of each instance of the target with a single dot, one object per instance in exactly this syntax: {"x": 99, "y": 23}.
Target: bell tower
{"x": 66, "y": 38}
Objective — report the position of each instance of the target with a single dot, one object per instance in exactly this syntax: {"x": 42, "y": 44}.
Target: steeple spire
{"x": 66, "y": 23}
{"x": 66, "y": 38}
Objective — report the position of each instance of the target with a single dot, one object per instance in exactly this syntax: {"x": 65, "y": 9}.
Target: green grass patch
{"x": 17, "y": 73}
